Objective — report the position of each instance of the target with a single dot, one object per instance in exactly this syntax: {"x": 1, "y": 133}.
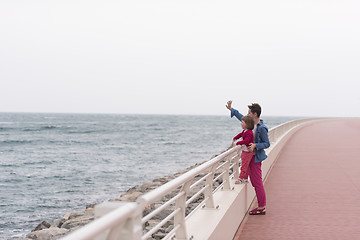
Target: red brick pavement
{"x": 313, "y": 190}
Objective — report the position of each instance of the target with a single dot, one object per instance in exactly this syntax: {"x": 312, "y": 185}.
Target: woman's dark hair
{"x": 255, "y": 108}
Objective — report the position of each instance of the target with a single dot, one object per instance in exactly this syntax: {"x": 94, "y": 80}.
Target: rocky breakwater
{"x": 73, "y": 220}
{"x": 60, "y": 227}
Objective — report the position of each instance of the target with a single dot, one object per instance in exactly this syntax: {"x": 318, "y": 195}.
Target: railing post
{"x": 237, "y": 164}
{"x": 179, "y": 218}
{"x": 226, "y": 176}
{"x": 208, "y": 193}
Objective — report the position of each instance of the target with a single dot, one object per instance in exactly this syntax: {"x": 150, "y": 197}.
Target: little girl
{"x": 247, "y": 123}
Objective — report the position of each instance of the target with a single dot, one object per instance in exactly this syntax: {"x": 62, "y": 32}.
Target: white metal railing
{"x": 188, "y": 189}
{"x": 197, "y": 185}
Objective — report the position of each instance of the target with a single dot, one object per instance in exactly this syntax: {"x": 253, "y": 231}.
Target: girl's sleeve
{"x": 247, "y": 139}
{"x": 237, "y": 136}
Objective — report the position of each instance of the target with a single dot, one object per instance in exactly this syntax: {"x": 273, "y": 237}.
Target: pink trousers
{"x": 256, "y": 181}
{"x": 245, "y": 161}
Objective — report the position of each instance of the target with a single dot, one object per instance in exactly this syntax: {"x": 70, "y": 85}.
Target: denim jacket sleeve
{"x": 264, "y": 138}
{"x": 236, "y": 113}
{"x": 261, "y": 141}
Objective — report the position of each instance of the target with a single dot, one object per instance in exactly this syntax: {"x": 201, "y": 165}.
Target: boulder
{"x": 59, "y": 222}
{"x": 71, "y": 215}
{"x": 129, "y": 197}
{"x": 48, "y": 234}
{"x": 20, "y": 238}
{"x": 41, "y": 226}
{"x": 77, "y": 222}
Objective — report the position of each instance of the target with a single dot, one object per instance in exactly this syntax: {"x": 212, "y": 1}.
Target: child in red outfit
{"x": 247, "y": 123}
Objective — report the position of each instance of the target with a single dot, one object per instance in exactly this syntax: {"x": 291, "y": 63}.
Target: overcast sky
{"x": 295, "y": 58}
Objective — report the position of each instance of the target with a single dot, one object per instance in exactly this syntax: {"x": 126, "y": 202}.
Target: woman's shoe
{"x": 257, "y": 211}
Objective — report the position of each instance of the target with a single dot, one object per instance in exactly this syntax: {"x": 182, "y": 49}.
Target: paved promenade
{"x": 313, "y": 190}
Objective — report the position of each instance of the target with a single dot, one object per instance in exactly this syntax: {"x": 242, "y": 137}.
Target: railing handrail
{"x": 120, "y": 215}
{"x": 104, "y": 223}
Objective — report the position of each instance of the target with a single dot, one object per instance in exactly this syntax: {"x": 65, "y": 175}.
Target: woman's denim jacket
{"x": 261, "y": 137}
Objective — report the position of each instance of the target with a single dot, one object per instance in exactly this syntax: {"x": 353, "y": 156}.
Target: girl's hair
{"x": 249, "y": 121}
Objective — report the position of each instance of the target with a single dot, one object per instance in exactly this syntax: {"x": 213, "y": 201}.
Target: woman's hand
{"x": 252, "y": 147}
{"x": 228, "y": 105}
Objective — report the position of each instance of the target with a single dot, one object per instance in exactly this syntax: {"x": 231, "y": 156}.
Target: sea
{"x": 51, "y": 164}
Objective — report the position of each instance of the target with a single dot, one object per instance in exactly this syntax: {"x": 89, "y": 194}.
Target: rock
{"x": 133, "y": 189}
{"x": 147, "y": 211}
{"x": 159, "y": 234}
{"x": 163, "y": 214}
{"x": 151, "y": 223}
{"x": 59, "y": 222}
{"x": 162, "y": 180}
{"x": 20, "y": 239}
{"x": 146, "y": 187}
{"x": 90, "y": 206}
{"x": 130, "y": 197}
{"x": 168, "y": 229}
{"x": 72, "y": 215}
{"x": 156, "y": 183}
{"x": 67, "y": 215}
{"x": 41, "y": 226}
{"x": 169, "y": 224}
{"x": 89, "y": 209}
{"x": 77, "y": 222}
{"x": 48, "y": 234}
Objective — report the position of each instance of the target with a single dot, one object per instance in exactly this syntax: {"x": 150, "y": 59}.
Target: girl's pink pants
{"x": 256, "y": 181}
{"x": 245, "y": 162}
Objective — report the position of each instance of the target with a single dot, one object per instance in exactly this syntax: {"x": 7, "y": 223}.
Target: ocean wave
{"x": 7, "y": 123}
{"x": 8, "y": 165}
{"x": 173, "y": 143}
{"x": 23, "y": 211}
{"x": 38, "y": 129}
{"x": 5, "y": 129}
{"x": 13, "y": 180}
{"x": 81, "y": 132}
{"x": 46, "y": 206}
{"x": 16, "y": 142}
{"x": 48, "y": 127}
{"x": 41, "y": 163}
